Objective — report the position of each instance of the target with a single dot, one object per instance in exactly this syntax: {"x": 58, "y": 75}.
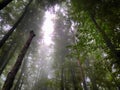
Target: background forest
{"x": 59, "y": 45}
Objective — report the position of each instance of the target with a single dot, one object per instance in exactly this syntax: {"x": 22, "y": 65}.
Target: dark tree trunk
{"x": 106, "y": 39}
{"x": 4, "y": 3}
{"x": 11, "y": 75}
{"x": 7, "y": 35}
{"x": 82, "y": 76}
{"x": 19, "y": 82}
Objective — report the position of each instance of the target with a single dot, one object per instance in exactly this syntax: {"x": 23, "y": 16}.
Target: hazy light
{"x": 6, "y": 27}
{"x": 48, "y": 28}
{"x": 56, "y": 8}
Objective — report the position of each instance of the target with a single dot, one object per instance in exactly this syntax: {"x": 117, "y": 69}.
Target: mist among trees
{"x": 59, "y": 45}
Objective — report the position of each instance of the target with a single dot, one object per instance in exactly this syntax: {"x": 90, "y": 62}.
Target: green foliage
{"x": 75, "y": 38}
{"x": 89, "y": 42}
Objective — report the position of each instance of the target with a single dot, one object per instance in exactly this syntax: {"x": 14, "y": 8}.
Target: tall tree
{"x": 4, "y": 3}
{"x": 82, "y": 74}
{"x": 7, "y": 35}
{"x": 62, "y": 78}
{"x": 11, "y": 75}
{"x": 73, "y": 77}
{"x": 97, "y": 10}
{"x": 93, "y": 35}
{"x": 106, "y": 39}
{"x": 91, "y": 75}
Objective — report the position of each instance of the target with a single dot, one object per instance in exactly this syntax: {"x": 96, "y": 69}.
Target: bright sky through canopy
{"x": 48, "y": 28}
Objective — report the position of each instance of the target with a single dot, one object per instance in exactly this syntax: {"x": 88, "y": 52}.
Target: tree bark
{"x": 4, "y": 3}
{"x": 7, "y": 35}
{"x": 19, "y": 82}
{"x": 11, "y": 75}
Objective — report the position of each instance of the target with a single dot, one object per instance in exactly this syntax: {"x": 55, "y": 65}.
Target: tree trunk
{"x": 5, "y": 53}
{"x": 107, "y": 40}
{"x": 9, "y": 55}
{"x": 4, "y": 3}
{"x": 62, "y": 77}
{"x": 7, "y": 35}
{"x": 66, "y": 80}
{"x": 73, "y": 78}
{"x": 91, "y": 75}
{"x": 11, "y": 75}
{"x": 19, "y": 82}
{"x": 82, "y": 76}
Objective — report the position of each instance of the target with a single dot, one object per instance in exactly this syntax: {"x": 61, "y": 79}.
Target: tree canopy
{"x": 76, "y": 47}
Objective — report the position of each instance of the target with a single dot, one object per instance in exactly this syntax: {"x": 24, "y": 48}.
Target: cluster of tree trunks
{"x": 11, "y": 75}
{"x": 9, "y": 33}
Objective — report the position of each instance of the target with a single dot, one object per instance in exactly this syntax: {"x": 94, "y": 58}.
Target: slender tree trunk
{"x": 19, "y": 82}
{"x": 4, "y": 55}
{"x": 66, "y": 82}
{"x": 4, "y": 3}
{"x": 4, "y": 64}
{"x": 91, "y": 75}
{"x": 82, "y": 76}
{"x": 20, "y": 86}
{"x": 11, "y": 75}
{"x": 62, "y": 77}
{"x": 73, "y": 78}
{"x": 107, "y": 40}
{"x": 7, "y": 35}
